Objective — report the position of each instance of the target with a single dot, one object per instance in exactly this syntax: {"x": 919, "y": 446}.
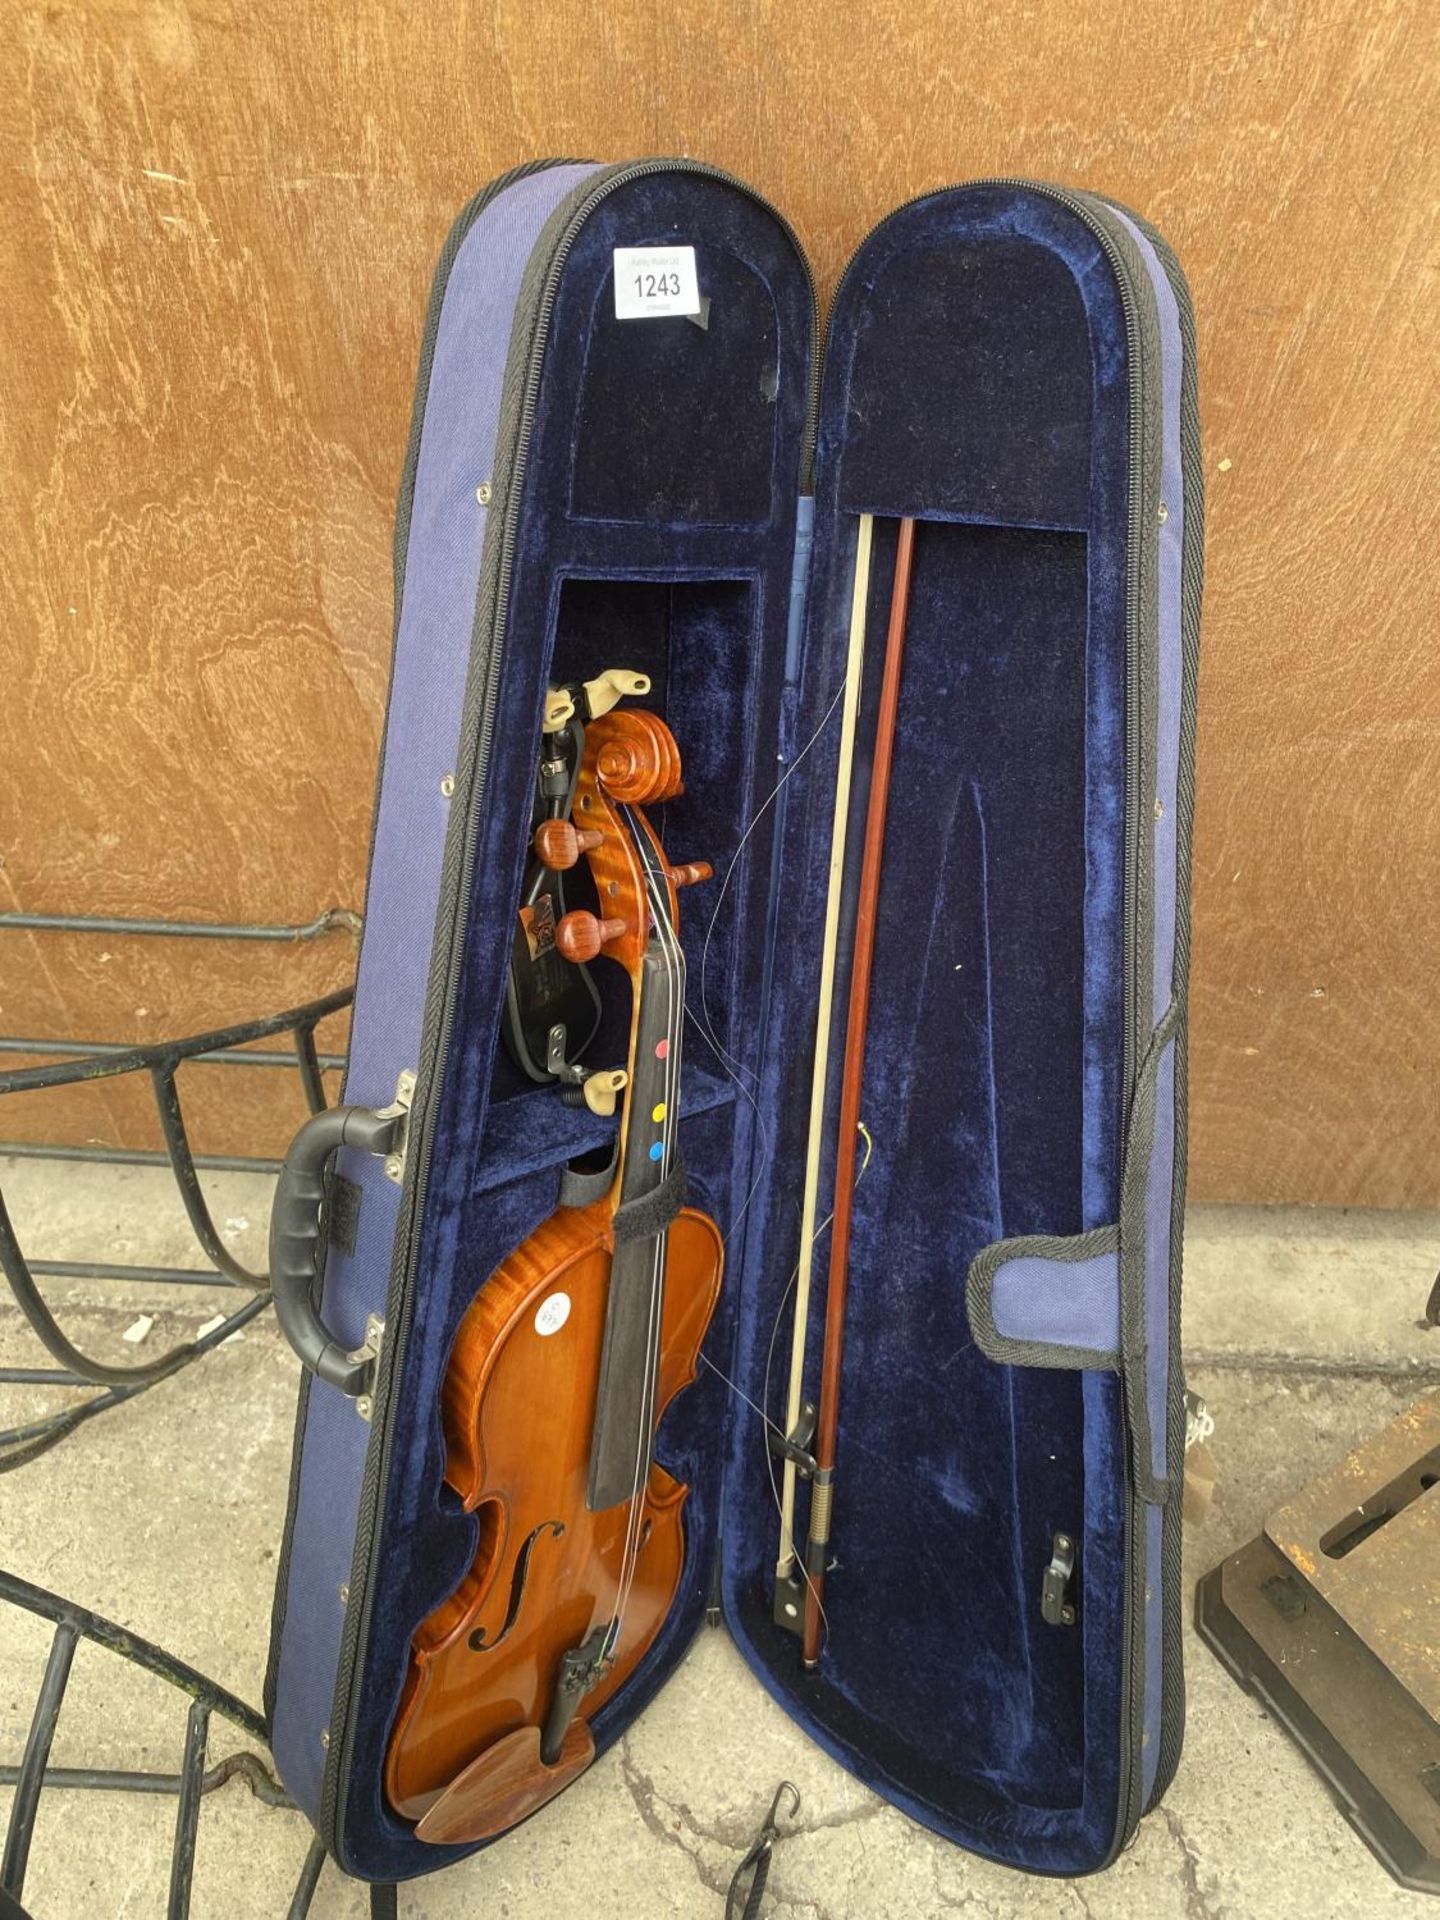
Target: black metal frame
{"x": 161, "y": 1061}
{"x": 73, "y": 1623}
{"x": 23, "y": 1444}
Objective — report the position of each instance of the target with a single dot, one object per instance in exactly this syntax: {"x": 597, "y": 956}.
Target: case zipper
{"x": 464, "y": 221}
{"x": 1191, "y": 583}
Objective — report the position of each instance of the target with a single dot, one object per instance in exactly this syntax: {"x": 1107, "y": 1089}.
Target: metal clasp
{"x": 798, "y": 1445}
{"x": 399, "y": 1112}
{"x": 368, "y": 1352}
{"x": 1057, "y": 1605}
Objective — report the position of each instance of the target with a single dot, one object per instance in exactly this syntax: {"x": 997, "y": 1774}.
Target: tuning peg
{"x": 601, "y": 1091}
{"x": 559, "y": 845}
{"x": 691, "y": 874}
{"x": 580, "y": 936}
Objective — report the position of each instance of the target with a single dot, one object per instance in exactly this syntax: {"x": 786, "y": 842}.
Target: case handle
{"x": 295, "y": 1236}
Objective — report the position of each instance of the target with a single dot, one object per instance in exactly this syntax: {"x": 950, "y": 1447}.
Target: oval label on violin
{"x": 551, "y": 1314}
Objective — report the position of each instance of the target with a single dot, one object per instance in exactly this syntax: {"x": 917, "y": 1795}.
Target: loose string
{"x": 773, "y": 1426}
{"x": 734, "y": 1069}
{"x": 738, "y": 1074}
{"x": 789, "y": 1531}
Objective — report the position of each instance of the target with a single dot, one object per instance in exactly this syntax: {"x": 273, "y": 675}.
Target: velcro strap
{"x": 642, "y": 1219}
{"x": 582, "y": 1186}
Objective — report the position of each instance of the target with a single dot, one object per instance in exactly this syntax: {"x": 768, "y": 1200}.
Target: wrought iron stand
{"x": 20, "y": 1445}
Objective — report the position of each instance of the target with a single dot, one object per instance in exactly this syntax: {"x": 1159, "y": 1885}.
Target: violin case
{"x": 1013, "y": 365}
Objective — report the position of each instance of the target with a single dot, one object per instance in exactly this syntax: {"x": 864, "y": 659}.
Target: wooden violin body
{"x": 559, "y": 1375}
{"x": 517, "y": 1424}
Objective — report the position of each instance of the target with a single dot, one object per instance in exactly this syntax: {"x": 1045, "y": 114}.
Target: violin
{"x": 552, "y": 1008}
{"x": 561, "y": 1370}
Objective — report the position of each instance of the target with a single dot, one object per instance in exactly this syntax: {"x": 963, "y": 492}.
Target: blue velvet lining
{"x": 976, "y": 377}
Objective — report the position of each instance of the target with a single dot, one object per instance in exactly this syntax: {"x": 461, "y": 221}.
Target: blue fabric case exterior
{"x": 1014, "y": 366}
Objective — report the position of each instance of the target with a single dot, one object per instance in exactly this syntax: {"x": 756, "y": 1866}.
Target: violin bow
{"x": 854, "y": 674}
{"x": 853, "y": 1072}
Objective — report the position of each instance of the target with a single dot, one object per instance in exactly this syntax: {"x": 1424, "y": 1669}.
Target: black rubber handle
{"x": 295, "y": 1237}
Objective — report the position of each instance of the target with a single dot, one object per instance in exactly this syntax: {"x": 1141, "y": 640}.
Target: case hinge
{"x": 399, "y": 1112}
{"x": 367, "y": 1353}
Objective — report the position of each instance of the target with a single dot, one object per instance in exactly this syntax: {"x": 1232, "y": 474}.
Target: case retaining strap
{"x": 642, "y": 1219}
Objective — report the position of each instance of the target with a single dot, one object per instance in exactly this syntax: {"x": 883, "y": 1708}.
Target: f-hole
{"x": 1381, "y": 1508}
{"x": 478, "y": 1642}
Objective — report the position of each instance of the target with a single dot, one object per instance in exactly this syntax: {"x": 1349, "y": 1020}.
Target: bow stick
{"x": 854, "y": 673}
{"x": 857, "y": 1025}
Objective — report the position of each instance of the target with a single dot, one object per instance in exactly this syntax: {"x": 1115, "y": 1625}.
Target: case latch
{"x": 1057, "y": 1604}
{"x": 797, "y": 1446}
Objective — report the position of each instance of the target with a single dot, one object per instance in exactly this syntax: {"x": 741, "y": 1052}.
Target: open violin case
{"x": 1012, "y": 366}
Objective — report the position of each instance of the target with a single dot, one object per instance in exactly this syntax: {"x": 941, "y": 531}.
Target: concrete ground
{"x": 1304, "y": 1334}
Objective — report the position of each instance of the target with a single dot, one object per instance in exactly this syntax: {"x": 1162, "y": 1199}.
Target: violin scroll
{"x": 638, "y": 763}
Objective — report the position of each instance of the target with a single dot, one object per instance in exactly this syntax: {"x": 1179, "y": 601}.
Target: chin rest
{"x": 504, "y": 1785}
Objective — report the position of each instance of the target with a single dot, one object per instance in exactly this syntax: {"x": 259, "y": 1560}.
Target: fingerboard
{"x": 623, "y": 1432}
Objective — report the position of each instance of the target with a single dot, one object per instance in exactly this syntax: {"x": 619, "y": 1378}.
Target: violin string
{"x": 738, "y": 1073}
{"x": 675, "y": 974}
{"x": 772, "y": 1425}
{"x": 760, "y": 1410}
{"x": 733, "y": 1068}
{"x": 755, "y": 819}
{"x": 634, "y": 1515}
{"x": 754, "y": 1104}
{"x": 612, "y": 1631}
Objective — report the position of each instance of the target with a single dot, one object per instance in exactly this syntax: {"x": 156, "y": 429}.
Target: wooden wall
{"x": 217, "y": 227}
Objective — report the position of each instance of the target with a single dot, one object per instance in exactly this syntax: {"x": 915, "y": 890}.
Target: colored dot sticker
{"x": 657, "y": 1112}
{"x": 662, "y": 1049}
{"x": 656, "y": 1151}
